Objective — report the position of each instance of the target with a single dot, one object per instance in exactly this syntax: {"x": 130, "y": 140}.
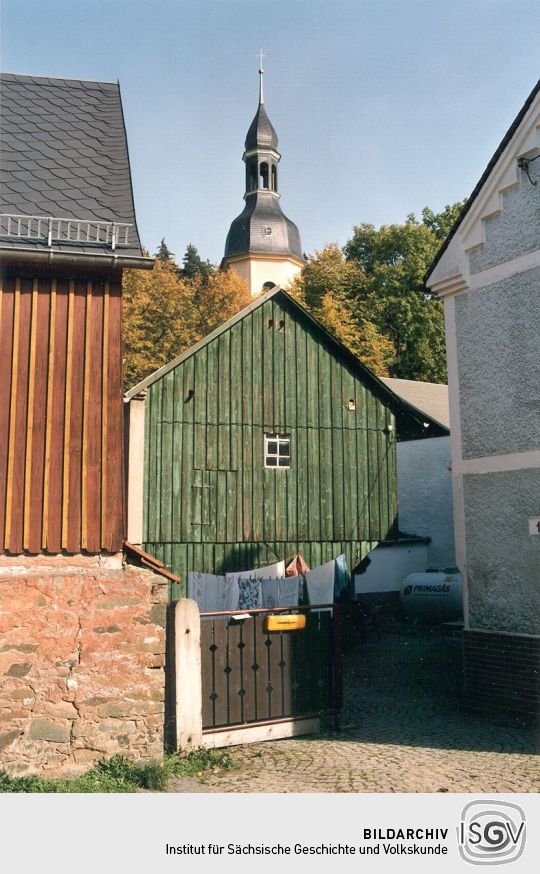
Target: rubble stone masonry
{"x": 82, "y": 662}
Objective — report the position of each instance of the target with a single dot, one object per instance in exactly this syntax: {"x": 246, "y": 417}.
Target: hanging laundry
{"x": 296, "y": 566}
{"x": 289, "y": 591}
{"x": 270, "y": 572}
{"x": 212, "y": 592}
{"x": 270, "y": 593}
{"x": 320, "y": 583}
{"x": 341, "y": 586}
{"x": 250, "y": 594}
{"x": 280, "y": 593}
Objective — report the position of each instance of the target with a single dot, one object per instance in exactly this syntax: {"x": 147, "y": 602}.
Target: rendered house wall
{"x": 489, "y": 276}
{"x": 498, "y": 348}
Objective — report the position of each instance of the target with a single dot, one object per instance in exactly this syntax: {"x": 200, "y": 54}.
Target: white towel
{"x": 320, "y": 583}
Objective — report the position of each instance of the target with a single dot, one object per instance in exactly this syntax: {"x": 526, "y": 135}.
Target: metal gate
{"x": 251, "y": 675}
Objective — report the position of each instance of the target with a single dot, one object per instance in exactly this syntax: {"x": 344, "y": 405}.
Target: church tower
{"x": 263, "y": 245}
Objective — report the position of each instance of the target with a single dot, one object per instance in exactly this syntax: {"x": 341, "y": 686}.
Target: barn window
{"x": 277, "y": 450}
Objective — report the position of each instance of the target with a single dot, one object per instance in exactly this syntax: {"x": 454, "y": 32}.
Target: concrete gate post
{"x": 187, "y": 638}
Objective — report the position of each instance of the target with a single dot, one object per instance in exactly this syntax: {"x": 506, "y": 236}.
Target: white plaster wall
{"x": 425, "y": 496}
{"x": 389, "y": 567}
{"x": 257, "y": 271}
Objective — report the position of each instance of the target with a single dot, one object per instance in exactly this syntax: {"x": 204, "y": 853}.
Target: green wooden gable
{"x": 210, "y": 504}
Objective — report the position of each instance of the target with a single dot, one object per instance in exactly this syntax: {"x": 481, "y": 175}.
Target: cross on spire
{"x": 261, "y": 74}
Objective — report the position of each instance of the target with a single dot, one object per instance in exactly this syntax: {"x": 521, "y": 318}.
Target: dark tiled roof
{"x": 428, "y": 397}
{"x": 64, "y": 154}
{"x": 247, "y": 232}
{"x": 485, "y": 176}
{"x": 261, "y": 133}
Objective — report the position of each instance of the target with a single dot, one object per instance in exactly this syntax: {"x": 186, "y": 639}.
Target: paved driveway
{"x": 402, "y": 730}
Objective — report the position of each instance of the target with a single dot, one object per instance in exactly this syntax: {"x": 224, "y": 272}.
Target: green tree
{"x": 442, "y": 223}
{"x": 333, "y": 290}
{"x": 163, "y": 252}
{"x": 393, "y": 260}
{"x": 193, "y": 265}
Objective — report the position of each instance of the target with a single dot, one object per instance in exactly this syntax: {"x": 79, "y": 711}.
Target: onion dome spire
{"x": 262, "y": 229}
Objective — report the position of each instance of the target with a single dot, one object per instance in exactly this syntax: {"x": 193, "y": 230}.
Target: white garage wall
{"x": 425, "y": 496}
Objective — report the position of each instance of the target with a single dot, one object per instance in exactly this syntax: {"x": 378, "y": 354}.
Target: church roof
{"x": 64, "y": 155}
{"x": 261, "y": 133}
{"x": 249, "y": 230}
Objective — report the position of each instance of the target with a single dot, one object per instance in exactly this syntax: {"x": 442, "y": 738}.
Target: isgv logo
{"x": 491, "y": 832}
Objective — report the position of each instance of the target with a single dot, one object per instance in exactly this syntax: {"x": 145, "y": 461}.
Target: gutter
{"x": 138, "y": 262}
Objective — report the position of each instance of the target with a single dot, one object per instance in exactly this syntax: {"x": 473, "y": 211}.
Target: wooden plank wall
{"x": 61, "y": 486}
{"x": 205, "y": 480}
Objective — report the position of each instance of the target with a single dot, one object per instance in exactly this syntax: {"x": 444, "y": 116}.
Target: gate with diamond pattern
{"x": 251, "y": 676}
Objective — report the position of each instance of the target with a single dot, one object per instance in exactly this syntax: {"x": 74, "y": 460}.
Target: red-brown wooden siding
{"x": 61, "y": 483}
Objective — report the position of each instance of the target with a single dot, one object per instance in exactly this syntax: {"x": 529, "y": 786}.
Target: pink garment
{"x": 296, "y": 566}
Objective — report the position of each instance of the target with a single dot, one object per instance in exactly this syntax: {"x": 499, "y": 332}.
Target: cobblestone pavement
{"x": 402, "y": 730}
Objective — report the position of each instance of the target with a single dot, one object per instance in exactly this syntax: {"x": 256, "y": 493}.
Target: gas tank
{"x": 432, "y": 597}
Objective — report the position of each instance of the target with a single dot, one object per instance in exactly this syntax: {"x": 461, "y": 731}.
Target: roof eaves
{"x": 385, "y": 391}
{"x": 420, "y": 410}
{"x": 483, "y": 179}
{"x": 129, "y": 167}
{"x": 53, "y": 256}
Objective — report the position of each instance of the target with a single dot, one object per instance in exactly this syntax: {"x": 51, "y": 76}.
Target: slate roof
{"x": 63, "y": 153}
{"x": 248, "y": 230}
{"x": 430, "y": 398}
{"x": 261, "y": 133}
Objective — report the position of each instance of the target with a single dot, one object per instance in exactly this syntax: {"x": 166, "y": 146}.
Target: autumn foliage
{"x": 166, "y": 312}
{"x": 372, "y": 295}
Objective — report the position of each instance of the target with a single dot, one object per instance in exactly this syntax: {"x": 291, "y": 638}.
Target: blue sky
{"x": 381, "y": 106}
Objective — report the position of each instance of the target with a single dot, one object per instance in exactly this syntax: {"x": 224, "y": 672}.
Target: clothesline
{"x": 268, "y": 586}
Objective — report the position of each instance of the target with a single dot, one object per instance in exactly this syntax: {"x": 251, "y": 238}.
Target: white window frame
{"x": 280, "y": 440}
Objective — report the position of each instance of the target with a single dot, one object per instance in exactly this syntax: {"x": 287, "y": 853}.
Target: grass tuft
{"x": 120, "y": 774}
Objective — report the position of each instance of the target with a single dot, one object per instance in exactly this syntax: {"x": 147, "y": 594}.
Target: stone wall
{"x": 82, "y": 662}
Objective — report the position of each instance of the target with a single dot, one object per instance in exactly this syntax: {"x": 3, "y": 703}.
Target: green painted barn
{"x": 265, "y": 439}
